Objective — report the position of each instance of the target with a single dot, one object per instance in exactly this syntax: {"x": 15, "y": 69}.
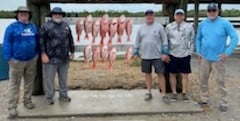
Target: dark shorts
{"x": 179, "y": 65}
{"x": 156, "y": 63}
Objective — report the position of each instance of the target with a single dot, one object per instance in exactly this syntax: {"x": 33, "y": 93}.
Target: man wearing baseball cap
{"x": 212, "y": 52}
{"x": 21, "y": 50}
{"x": 181, "y": 46}
{"x": 152, "y": 43}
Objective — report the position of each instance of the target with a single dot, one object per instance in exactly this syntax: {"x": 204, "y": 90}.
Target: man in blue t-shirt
{"x": 20, "y": 48}
{"x": 212, "y": 51}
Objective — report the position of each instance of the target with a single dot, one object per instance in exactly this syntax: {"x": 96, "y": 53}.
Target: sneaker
{"x": 223, "y": 108}
{"x": 185, "y": 97}
{"x": 148, "y": 96}
{"x": 28, "y": 104}
{"x": 203, "y": 104}
{"x": 166, "y": 99}
{"x": 174, "y": 97}
{"x": 13, "y": 113}
{"x": 49, "y": 101}
{"x": 65, "y": 99}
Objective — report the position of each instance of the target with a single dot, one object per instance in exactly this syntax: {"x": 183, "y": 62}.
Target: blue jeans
{"x": 49, "y": 72}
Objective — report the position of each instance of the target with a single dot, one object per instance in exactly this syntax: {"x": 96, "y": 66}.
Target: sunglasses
{"x": 211, "y": 11}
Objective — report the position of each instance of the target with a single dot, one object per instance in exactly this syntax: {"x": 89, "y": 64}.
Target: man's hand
{"x": 165, "y": 58}
{"x": 199, "y": 58}
{"x": 10, "y": 61}
{"x": 71, "y": 56}
{"x": 223, "y": 57}
{"x": 45, "y": 58}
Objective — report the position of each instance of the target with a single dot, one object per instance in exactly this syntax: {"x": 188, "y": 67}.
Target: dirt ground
{"x": 124, "y": 77}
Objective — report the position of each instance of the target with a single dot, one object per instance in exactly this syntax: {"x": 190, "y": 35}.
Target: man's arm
{"x": 137, "y": 43}
{"x": 7, "y": 44}
{"x": 71, "y": 44}
{"x": 192, "y": 40}
{"x": 233, "y": 38}
{"x": 164, "y": 39}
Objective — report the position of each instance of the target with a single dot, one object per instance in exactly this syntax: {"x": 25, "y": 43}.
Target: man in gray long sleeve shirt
{"x": 152, "y": 43}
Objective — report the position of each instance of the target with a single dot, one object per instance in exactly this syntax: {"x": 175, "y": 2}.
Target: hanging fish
{"x": 95, "y": 57}
{"x": 95, "y": 30}
{"x": 128, "y": 55}
{"x": 121, "y": 27}
{"x": 87, "y": 54}
{"x": 129, "y": 27}
{"x": 79, "y": 28}
{"x": 88, "y": 23}
{"x": 112, "y": 29}
{"x": 112, "y": 57}
{"x": 103, "y": 52}
{"x": 104, "y": 27}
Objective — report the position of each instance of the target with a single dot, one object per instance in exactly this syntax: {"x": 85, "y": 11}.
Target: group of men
{"x": 23, "y": 44}
{"x": 155, "y": 44}
{"x": 175, "y": 45}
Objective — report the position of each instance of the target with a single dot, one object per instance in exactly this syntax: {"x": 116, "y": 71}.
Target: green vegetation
{"x": 190, "y": 13}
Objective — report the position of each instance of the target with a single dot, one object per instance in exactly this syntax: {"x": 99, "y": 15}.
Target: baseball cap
{"x": 179, "y": 11}
{"x": 149, "y": 11}
{"x": 212, "y": 6}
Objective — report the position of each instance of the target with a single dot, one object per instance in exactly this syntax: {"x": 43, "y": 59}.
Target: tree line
{"x": 98, "y": 13}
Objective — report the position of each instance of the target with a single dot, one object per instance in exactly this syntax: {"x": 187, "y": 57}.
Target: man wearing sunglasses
{"x": 212, "y": 51}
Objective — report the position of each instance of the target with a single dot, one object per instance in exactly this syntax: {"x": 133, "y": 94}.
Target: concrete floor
{"x": 110, "y": 102}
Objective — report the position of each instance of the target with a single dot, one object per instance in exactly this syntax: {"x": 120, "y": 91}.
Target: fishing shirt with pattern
{"x": 56, "y": 41}
{"x": 180, "y": 39}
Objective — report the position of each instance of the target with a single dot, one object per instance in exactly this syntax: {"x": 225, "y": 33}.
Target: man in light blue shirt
{"x": 212, "y": 51}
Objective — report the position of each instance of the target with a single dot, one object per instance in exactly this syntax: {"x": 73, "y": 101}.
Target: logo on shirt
{"x": 27, "y": 32}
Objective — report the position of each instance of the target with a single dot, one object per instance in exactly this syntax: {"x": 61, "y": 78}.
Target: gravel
{"x": 213, "y": 114}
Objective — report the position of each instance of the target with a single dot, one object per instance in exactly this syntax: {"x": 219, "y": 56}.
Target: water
{"x": 5, "y": 22}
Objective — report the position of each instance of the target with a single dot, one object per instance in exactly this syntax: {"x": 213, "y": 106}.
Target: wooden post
{"x": 220, "y": 8}
{"x": 183, "y": 5}
{"x": 39, "y": 12}
{"x": 196, "y": 8}
{"x": 168, "y": 10}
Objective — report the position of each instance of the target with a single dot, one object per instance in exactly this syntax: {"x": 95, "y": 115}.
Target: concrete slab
{"x": 109, "y": 102}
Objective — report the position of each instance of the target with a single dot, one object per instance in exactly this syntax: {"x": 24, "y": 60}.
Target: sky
{"x": 93, "y": 7}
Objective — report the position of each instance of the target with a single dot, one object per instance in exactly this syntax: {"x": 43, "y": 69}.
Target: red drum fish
{"x": 79, "y": 28}
{"x": 88, "y": 26}
{"x": 121, "y": 27}
{"x": 129, "y": 26}
{"x": 104, "y": 27}
{"x": 112, "y": 29}
{"x": 96, "y": 29}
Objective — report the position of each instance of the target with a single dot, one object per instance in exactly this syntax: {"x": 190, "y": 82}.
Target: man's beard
{"x": 57, "y": 20}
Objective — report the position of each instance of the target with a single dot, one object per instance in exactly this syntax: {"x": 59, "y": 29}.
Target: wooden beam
{"x": 130, "y": 1}
{"x": 196, "y": 17}
{"x": 103, "y": 1}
